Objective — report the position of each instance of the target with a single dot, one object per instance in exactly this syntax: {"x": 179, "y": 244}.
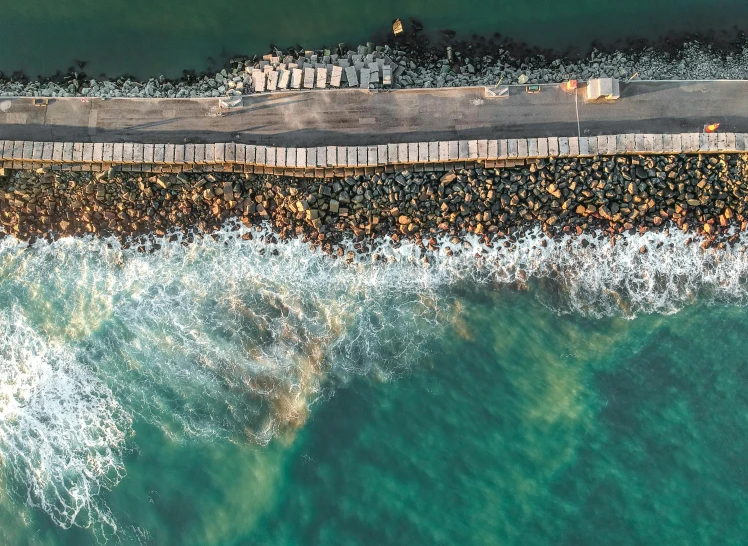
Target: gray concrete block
{"x": 423, "y": 152}
{"x": 219, "y": 152}
{"x": 382, "y": 154}
{"x": 543, "y": 147}
{"x": 271, "y": 156}
{"x": 189, "y": 153}
{"x": 553, "y": 146}
{"x": 658, "y": 144}
{"x": 108, "y": 153}
{"x": 620, "y": 144}
{"x": 433, "y": 152}
{"x": 117, "y": 152}
{"x": 454, "y": 150}
{"x": 574, "y": 146}
{"x": 36, "y": 151}
{"x": 332, "y": 156}
{"x": 402, "y": 153}
{"x": 250, "y": 154}
{"x": 511, "y": 147}
{"x": 532, "y": 147}
{"x": 392, "y": 153}
{"x": 584, "y": 147}
{"x": 159, "y": 153}
{"x": 321, "y": 156}
{"x": 98, "y": 152}
{"x": 472, "y": 149}
{"x": 372, "y": 155}
{"x": 178, "y": 153}
{"x": 730, "y": 142}
{"x": 67, "y": 151}
{"x": 127, "y": 152}
{"x": 168, "y": 153}
{"x": 443, "y": 150}
{"x": 563, "y": 147}
{"x": 260, "y": 156}
{"x": 77, "y": 152}
{"x": 493, "y": 149}
{"x": 483, "y": 149}
{"x": 48, "y": 150}
{"x": 56, "y": 152}
{"x": 592, "y": 145}
{"x": 503, "y": 149}
{"x": 281, "y": 155}
{"x": 362, "y": 156}
{"x": 463, "y": 150}
{"x": 639, "y": 146}
{"x": 676, "y": 146}
{"x": 412, "y": 152}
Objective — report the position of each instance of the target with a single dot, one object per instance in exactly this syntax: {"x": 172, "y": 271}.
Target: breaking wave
{"x": 236, "y": 338}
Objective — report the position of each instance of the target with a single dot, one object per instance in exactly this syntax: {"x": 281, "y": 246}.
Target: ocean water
{"x": 235, "y": 392}
{"x": 151, "y": 37}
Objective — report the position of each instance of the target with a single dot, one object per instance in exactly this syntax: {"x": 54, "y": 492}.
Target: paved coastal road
{"x": 354, "y": 117}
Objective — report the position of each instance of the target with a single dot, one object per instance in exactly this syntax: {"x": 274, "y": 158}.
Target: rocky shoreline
{"x": 420, "y": 64}
{"x": 608, "y": 196}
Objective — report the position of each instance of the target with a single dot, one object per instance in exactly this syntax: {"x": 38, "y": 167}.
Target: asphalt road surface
{"x": 355, "y": 117}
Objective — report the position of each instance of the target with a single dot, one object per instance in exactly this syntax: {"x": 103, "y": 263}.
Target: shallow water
{"x": 231, "y": 392}
{"x": 152, "y": 37}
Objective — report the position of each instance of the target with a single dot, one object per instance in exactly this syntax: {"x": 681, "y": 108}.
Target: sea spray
{"x": 236, "y": 338}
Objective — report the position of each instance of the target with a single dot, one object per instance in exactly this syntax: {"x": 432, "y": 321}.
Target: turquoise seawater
{"x": 236, "y": 393}
{"x": 152, "y": 37}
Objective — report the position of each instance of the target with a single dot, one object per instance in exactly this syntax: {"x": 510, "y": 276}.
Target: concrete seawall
{"x": 331, "y": 161}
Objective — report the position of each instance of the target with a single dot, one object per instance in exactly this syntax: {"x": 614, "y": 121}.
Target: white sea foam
{"x": 237, "y": 338}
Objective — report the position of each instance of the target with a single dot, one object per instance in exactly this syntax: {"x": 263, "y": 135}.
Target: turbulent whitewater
{"x": 236, "y": 339}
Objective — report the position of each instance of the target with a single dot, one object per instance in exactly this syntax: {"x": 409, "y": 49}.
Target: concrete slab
{"x": 301, "y": 158}
{"x": 48, "y": 149}
{"x": 56, "y": 152}
{"x": 371, "y": 156}
{"x": 532, "y": 147}
{"x": 281, "y": 154}
{"x": 98, "y": 152}
{"x": 667, "y": 143}
{"x": 67, "y": 151}
{"x": 321, "y": 156}
{"x": 730, "y": 142}
{"x": 402, "y": 153}
{"x": 159, "y": 153}
{"x": 503, "y": 149}
{"x": 332, "y": 156}
{"x": 454, "y": 150}
{"x": 260, "y": 155}
{"x": 602, "y": 145}
{"x": 703, "y": 142}
{"x": 574, "y": 146}
{"x": 392, "y": 153}
{"x": 271, "y": 156}
{"x": 658, "y": 144}
{"x": 168, "y": 153}
{"x": 250, "y": 154}
{"x": 584, "y": 146}
{"x": 229, "y": 152}
{"x": 433, "y": 152}
{"x": 382, "y": 154}
{"x": 412, "y": 152}
{"x": 423, "y": 152}
{"x": 553, "y": 146}
{"x": 219, "y": 150}
{"x": 352, "y": 159}
{"x": 621, "y": 144}
{"x": 493, "y": 149}
{"x": 443, "y": 150}
{"x": 542, "y": 147}
{"x": 675, "y": 143}
{"x": 107, "y": 155}
{"x": 592, "y": 146}
{"x": 189, "y": 153}
{"x": 511, "y": 148}
{"x": 472, "y": 149}
{"x": 178, "y": 153}
{"x": 563, "y": 147}
{"x": 463, "y": 149}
